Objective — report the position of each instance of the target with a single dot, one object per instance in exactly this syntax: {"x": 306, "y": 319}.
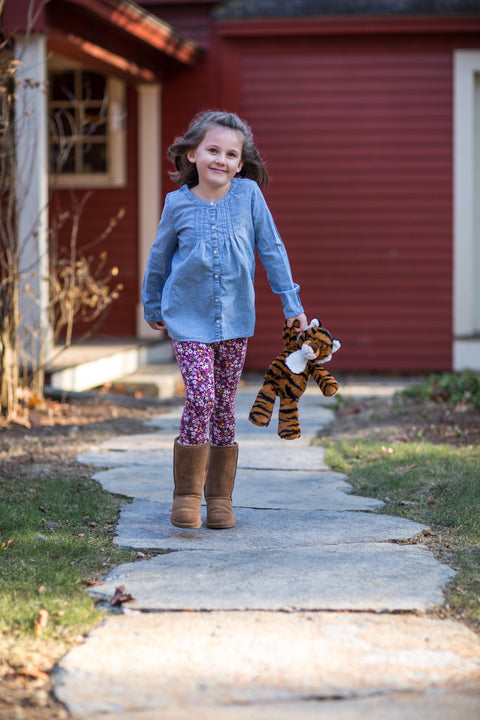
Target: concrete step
{"x": 156, "y": 380}
{"x": 95, "y": 363}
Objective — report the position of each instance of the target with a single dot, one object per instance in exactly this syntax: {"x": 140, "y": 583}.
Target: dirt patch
{"x": 403, "y": 419}
{"x": 30, "y": 697}
{"x": 60, "y": 431}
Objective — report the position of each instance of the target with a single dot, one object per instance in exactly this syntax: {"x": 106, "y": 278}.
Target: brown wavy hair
{"x": 186, "y": 172}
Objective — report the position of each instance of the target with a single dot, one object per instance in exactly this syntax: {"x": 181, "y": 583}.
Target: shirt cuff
{"x": 291, "y": 302}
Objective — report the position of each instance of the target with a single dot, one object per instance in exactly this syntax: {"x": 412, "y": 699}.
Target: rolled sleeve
{"x": 290, "y": 301}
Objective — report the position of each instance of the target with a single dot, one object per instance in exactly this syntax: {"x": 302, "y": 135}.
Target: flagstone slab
{"x": 140, "y": 442}
{"x": 312, "y": 418}
{"x": 253, "y": 453}
{"x": 319, "y": 490}
{"x": 438, "y": 704}
{"x": 280, "y": 454}
{"x": 310, "y": 423}
{"x": 146, "y": 525}
{"x": 114, "y": 458}
{"x": 383, "y": 577}
{"x": 158, "y": 661}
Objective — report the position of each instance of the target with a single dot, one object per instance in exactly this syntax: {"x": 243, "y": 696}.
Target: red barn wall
{"x": 190, "y": 90}
{"x": 357, "y": 133}
{"x": 356, "y": 129}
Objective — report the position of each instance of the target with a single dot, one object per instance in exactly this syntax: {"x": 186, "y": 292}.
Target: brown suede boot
{"x": 222, "y": 468}
{"x": 189, "y": 468}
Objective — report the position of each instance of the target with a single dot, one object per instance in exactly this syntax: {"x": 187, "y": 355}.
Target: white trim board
{"x": 466, "y": 251}
{"x": 149, "y": 185}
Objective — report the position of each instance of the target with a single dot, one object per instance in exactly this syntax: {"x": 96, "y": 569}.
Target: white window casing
{"x": 114, "y": 139}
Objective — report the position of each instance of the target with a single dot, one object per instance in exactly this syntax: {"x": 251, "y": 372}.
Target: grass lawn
{"x": 55, "y": 539}
{"x": 420, "y": 453}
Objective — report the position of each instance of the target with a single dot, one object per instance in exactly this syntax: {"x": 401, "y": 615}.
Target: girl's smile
{"x": 218, "y": 159}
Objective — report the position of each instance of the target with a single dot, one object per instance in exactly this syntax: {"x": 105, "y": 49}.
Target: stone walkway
{"x": 312, "y": 607}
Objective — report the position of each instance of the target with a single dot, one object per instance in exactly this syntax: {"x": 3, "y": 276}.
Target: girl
{"x": 198, "y": 286}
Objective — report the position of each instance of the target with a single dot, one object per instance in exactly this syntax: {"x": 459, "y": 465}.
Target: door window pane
{"x": 78, "y": 113}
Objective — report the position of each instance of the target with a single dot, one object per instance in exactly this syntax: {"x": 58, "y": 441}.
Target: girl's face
{"x": 218, "y": 158}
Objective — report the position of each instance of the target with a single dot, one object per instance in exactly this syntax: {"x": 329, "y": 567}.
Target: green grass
{"x": 56, "y": 537}
{"x": 434, "y": 484}
{"x": 439, "y": 483}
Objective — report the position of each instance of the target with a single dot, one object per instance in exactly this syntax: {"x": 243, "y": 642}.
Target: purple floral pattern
{"x": 211, "y": 373}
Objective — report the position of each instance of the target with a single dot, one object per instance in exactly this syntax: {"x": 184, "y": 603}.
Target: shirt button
{"x": 213, "y": 227}
{"x": 216, "y": 277}
{"x": 215, "y": 252}
{"x": 217, "y": 322}
{"x": 216, "y": 299}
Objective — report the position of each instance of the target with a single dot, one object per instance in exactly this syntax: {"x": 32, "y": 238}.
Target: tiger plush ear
{"x": 290, "y": 335}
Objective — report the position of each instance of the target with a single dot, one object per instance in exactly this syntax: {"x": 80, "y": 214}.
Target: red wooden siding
{"x": 182, "y": 99}
{"x": 192, "y": 21}
{"x": 357, "y": 136}
{"x": 121, "y": 245}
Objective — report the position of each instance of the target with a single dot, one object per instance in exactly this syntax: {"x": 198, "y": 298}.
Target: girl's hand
{"x": 157, "y": 325}
{"x": 302, "y": 319}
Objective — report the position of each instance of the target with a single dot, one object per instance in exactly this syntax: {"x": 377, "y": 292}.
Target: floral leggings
{"x": 211, "y": 373}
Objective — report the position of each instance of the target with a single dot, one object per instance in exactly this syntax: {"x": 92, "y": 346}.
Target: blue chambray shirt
{"x": 200, "y": 271}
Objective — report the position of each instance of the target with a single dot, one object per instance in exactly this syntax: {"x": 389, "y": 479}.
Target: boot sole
{"x": 187, "y": 526}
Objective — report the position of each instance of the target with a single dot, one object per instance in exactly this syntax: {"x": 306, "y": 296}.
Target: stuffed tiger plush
{"x": 288, "y": 376}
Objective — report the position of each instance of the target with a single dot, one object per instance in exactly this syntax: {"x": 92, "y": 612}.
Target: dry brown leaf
{"x": 30, "y": 671}
{"x": 120, "y": 596}
{"x": 92, "y": 583}
{"x": 41, "y": 622}
{"x": 34, "y": 419}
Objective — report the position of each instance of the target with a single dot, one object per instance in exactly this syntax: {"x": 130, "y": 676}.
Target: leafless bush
{"x": 81, "y": 289}
{"x": 82, "y": 286}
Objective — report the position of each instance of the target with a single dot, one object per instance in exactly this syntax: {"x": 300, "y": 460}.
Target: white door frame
{"x": 149, "y": 185}
{"x": 466, "y": 337}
